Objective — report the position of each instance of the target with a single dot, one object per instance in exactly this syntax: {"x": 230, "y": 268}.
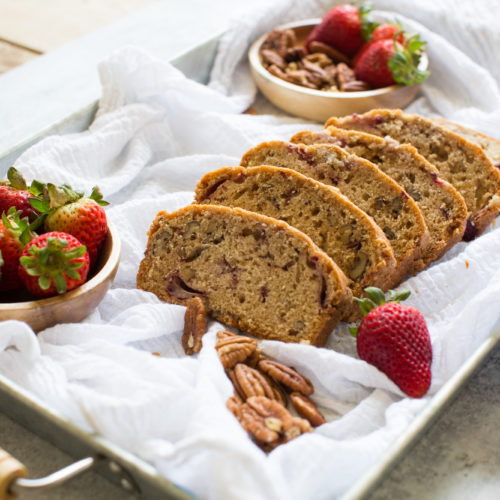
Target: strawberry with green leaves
{"x": 384, "y": 62}
{"x": 71, "y": 212}
{"x": 15, "y": 233}
{"x": 344, "y": 28}
{"x": 53, "y": 263}
{"x": 394, "y": 338}
{"x": 14, "y": 192}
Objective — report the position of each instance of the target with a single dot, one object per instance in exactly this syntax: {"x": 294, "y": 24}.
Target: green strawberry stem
{"x": 51, "y": 263}
{"x": 12, "y": 220}
{"x": 376, "y": 297}
{"x": 367, "y": 25}
{"x": 405, "y": 61}
{"x": 16, "y": 179}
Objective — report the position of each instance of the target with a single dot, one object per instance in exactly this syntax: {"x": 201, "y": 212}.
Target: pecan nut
{"x": 333, "y": 54}
{"x": 252, "y": 382}
{"x": 286, "y": 376}
{"x": 195, "y": 326}
{"x": 272, "y": 421}
{"x": 233, "y": 405}
{"x": 233, "y": 349}
{"x": 307, "y": 409}
{"x": 344, "y": 75}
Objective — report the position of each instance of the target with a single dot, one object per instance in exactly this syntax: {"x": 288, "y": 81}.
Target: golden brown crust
{"x": 346, "y": 233}
{"x": 365, "y": 185}
{"x": 443, "y": 208}
{"x": 459, "y": 161}
{"x": 185, "y": 258}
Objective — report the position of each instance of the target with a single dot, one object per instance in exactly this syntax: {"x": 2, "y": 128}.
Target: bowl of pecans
{"x": 319, "y": 81}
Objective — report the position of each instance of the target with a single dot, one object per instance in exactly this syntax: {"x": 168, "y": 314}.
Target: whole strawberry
{"x": 14, "y": 192}
{"x": 394, "y": 338}
{"x": 385, "y": 62}
{"x": 15, "y": 233}
{"x": 53, "y": 263}
{"x": 71, "y": 212}
{"x": 389, "y": 31}
{"x": 344, "y": 27}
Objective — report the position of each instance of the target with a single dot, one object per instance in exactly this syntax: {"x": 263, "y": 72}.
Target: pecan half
{"x": 332, "y": 53}
{"x": 265, "y": 429}
{"x": 233, "y": 349}
{"x": 271, "y": 417}
{"x": 233, "y": 405}
{"x": 237, "y": 387}
{"x": 307, "y": 409}
{"x": 252, "y": 382}
{"x": 344, "y": 75}
{"x": 286, "y": 376}
{"x": 195, "y": 326}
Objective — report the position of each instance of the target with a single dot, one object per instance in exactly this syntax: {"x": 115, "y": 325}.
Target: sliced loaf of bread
{"x": 443, "y": 208}
{"x": 253, "y": 272}
{"x": 489, "y": 145}
{"x": 365, "y": 185}
{"x": 460, "y": 162}
{"x": 346, "y": 233}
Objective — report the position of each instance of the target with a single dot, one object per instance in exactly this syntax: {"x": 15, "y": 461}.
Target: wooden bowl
{"x": 73, "y": 306}
{"x": 320, "y": 105}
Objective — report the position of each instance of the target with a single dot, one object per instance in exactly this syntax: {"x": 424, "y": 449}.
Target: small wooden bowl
{"x": 320, "y": 105}
{"x": 73, "y": 306}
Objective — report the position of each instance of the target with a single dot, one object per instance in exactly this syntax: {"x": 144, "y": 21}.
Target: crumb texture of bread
{"x": 365, "y": 185}
{"x": 346, "y": 233}
{"x": 489, "y": 145}
{"x": 459, "y": 161}
{"x": 443, "y": 208}
{"x": 251, "y": 271}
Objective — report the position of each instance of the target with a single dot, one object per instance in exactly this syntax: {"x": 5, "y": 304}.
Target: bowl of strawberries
{"x": 58, "y": 252}
{"x": 342, "y": 64}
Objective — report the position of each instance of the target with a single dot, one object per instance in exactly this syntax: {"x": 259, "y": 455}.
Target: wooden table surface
{"x": 29, "y": 28}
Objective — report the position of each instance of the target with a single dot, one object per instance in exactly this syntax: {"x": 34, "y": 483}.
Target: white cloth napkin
{"x": 156, "y": 133}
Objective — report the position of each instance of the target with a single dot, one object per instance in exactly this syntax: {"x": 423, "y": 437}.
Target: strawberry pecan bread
{"x": 349, "y": 236}
{"x": 443, "y": 208}
{"x": 489, "y": 145}
{"x": 460, "y": 162}
{"x": 365, "y": 185}
{"x": 251, "y": 271}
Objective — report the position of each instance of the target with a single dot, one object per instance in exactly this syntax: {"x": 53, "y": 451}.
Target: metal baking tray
{"x": 122, "y": 467}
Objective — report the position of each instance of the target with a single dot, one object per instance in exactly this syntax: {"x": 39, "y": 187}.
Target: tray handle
{"x": 13, "y": 475}
{"x": 10, "y": 470}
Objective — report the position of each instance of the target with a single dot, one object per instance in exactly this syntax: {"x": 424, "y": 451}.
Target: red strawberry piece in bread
{"x": 14, "y": 192}
{"x": 71, "y": 212}
{"x": 394, "y": 338}
{"x": 15, "y": 233}
{"x": 53, "y": 263}
{"x": 385, "y": 62}
{"x": 344, "y": 28}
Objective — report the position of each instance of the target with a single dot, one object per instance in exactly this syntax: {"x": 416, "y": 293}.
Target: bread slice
{"x": 443, "y": 208}
{"x": 349, "y": 236}
{"x": 460, "y": 162}
{"x": 365, "y": 185}
{"x": 252, "y": 272}
{"x": 489, "y": 145}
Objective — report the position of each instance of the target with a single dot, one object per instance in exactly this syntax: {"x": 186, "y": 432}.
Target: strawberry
{"x": 71, "y": 212}
{"x": 394, "y": 338}
{"x": 385, "y": 62}
{"x": 389, "y": 31}
{"x": 53, "y": 263}
{"x": 14, "y": 192}
{"x": 344, "y": 27}
{"x": 15, "y": 233}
